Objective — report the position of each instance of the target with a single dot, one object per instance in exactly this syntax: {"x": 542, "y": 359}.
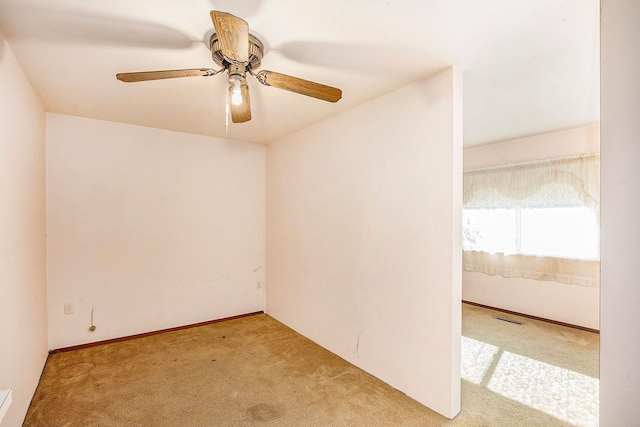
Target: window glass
{"x": 490, "y": 230}
{"x": 563, "y": 232}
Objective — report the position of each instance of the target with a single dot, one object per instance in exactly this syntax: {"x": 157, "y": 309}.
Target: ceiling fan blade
{"x": 233, "y": 35}
{"x": 241, "y": 113}
{"x": 164, "y": 74}
{"x": 301, "y": 86}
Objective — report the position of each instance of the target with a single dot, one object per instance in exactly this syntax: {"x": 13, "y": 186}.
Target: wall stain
{"x": 358, "y": 343}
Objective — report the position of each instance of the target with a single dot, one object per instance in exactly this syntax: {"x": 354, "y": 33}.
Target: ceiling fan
{"x": 238, "y": 52}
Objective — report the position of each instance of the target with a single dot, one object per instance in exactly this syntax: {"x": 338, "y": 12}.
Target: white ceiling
{"x": 530, "y": 66}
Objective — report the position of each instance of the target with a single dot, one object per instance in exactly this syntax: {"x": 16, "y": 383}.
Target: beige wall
{"x": 573, "y": 304}
{"x": 23, "y": 292}
{"x": 363, "y": 237}
{"x": 151, "y": 228}
{"x": 566, "y": 142}
{"x": 620, "y": 119}
{"x": 22, "y": 306}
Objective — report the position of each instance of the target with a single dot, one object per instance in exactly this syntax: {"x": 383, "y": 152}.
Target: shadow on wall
{"x": 3, "y": 47}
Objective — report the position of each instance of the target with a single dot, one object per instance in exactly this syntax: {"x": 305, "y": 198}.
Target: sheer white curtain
{"x": 533, "y": 187}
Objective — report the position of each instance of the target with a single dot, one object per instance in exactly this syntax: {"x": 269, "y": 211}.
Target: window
{"x": 560, "y": 231}
{"x": 536, "y": 220}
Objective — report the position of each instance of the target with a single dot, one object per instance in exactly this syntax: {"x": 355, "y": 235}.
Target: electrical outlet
{"x": 68, "y": 308}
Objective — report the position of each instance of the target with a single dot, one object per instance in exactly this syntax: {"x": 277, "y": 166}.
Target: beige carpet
{"x": 255, "y": 371}
{"x": 534, "y": 374}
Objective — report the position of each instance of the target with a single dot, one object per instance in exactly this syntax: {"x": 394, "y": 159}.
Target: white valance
{"x": 556, "y": 182}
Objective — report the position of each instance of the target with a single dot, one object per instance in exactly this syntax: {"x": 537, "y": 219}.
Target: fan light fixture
{"x": 238, "y": 52}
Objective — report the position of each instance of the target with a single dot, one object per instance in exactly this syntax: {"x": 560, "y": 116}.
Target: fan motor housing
{"x": 256, "y": 51}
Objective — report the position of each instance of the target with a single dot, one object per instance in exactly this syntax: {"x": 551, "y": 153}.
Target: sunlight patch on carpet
{"x": 477, "y": 357}
{"x": 561, "y": 393}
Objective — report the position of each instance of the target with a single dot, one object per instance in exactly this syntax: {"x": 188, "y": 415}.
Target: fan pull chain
{"x": 226, "y": 119}
{"x": 226, "y": 114}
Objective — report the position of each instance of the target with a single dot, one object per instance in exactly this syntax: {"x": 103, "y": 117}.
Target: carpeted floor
{"x": 255, "y": 371}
